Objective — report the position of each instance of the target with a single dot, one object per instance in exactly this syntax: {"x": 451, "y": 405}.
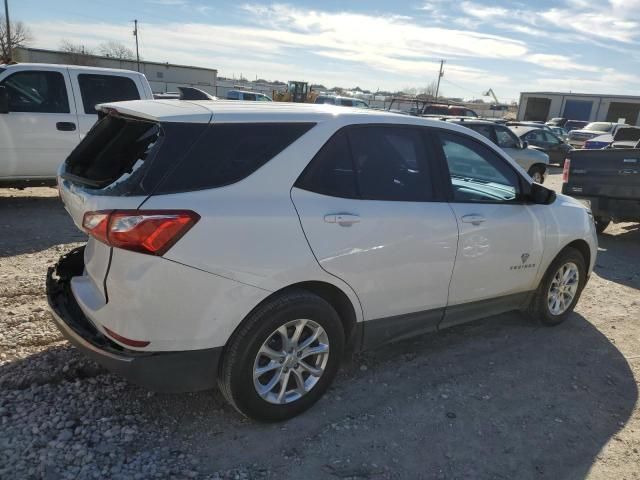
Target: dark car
{"x": 545, "y": 140}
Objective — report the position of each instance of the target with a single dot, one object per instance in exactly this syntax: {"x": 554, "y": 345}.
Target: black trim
{"x": 27, "y": 183}
{"x": 468, "y": 312}
{"x": 181, "y": 371}
{"x": 390, "y": 329}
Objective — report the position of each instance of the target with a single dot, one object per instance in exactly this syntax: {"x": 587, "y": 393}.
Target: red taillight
{"x": 565, "y": 170}
{"x": 126, "y": 341}
{"x": 144, "y": 231}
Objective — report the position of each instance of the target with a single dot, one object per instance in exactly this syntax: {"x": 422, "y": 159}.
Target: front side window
{"x": 37, "y": 92}
{"x": 97, "y": 89}
{"x": 249, "y": 96}
{"x": 506, "y": 138}
{"x": 346, "y": 102}
{"x": 478, "y": 175}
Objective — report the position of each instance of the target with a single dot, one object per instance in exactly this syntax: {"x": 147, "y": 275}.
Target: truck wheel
{"x": 560, "y": 288}
{"x": 283, "y": 358}
{"x": 536, "y": 172}
{"x": 601, "y": 224}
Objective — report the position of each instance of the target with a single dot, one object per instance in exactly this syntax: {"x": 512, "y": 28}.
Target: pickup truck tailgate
{"x": 611, "y": 173}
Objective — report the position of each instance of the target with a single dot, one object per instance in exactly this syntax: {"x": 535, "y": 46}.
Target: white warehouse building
{"x": 542, "y": 106}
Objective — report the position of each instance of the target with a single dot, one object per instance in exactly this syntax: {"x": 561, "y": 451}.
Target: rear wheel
{"x": 283, "y": 358}
{"x": 560, "y": 288}
{"x": 537, "y": 174}
{"x": 601, "y": 224}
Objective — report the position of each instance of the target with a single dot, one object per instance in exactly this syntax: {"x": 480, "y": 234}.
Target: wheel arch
{"x": 583, "y": 247}
{"x": 335, "y": 296}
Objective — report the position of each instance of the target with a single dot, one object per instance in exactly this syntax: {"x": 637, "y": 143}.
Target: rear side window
{"x": 371, "y": 163}
{"x": 331, "y": 171}
{"x": 37, "y": 92}
{"x": 96, "y": 89}
{"x": 484, "y": 130}
{"x": 248, "y": 96}
{"x": 228, "y": 153}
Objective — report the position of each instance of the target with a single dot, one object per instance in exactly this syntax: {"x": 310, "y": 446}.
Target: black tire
{"x": 236, "y": 372}
{"x": 601, "y": 224}
{"x": 537, "y": 171}
{"x": 539, "y": 308}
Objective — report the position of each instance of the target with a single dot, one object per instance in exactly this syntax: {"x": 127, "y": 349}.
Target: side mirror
{"x": 541, "y": 195}
{"x": 4, "y": 100}
{"x": 525, "y": 144}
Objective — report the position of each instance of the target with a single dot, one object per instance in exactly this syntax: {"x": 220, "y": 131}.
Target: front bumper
{"x": 182, "y": 371}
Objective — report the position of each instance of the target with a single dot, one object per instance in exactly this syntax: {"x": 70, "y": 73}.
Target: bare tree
{"x": 78, "y": 54}
{"x": 429, "y": 92}
{"x": 20, "y": 37}
{"x": 116, "y": 50}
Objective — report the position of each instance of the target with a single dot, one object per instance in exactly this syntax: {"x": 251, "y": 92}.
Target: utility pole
{"x": 135, "y": 34}
{"x": 6, "y": 17}
{"x": 440, "y": 75}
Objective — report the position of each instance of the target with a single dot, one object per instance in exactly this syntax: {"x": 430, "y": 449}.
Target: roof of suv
{"x": 70, "y": 67}
{"x": 201, "y": 111}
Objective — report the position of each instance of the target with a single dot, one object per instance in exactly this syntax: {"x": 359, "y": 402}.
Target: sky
{"x": 508, "y": 46}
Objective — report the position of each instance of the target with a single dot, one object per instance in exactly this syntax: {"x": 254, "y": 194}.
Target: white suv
{"x": 253, "y": 244}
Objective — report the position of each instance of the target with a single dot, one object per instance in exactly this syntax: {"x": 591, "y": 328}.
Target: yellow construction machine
{"x": 297, "y": 92}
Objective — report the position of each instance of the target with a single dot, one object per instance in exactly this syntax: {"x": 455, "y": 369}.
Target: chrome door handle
{"x": 473, "y": 219}
{"x": 342, "y": 218}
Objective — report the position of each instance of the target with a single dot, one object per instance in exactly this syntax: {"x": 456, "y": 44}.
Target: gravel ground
{"x": 499, "y": 398}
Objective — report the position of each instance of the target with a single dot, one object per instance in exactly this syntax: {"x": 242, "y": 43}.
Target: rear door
{"x": 94, "y": 87}
{"x": 40, "y": 129}
{"x": 374, "y": 217}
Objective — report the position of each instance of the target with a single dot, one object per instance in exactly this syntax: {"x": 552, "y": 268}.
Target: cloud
{"x": 559, "y": 62}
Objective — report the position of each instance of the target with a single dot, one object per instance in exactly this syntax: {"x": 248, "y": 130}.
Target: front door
{"x": 369, "y": 207}
{"x": 501, "y": 237}
{"x": 40, "y": 129}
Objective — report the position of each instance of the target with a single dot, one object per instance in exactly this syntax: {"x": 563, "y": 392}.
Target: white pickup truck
{"x": 45, "y": 110}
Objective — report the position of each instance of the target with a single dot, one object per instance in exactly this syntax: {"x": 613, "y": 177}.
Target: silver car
{"x": 535, "y": 162}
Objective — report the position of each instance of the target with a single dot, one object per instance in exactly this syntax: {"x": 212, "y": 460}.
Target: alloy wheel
{"x": 563, "y": 288}
{"x": 291, "y": 361}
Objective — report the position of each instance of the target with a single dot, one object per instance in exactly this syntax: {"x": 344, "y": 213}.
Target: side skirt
{"x": 390, "y": 329}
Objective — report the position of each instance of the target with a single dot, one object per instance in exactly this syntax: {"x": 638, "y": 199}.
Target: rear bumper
{"x": 181, "y": 371}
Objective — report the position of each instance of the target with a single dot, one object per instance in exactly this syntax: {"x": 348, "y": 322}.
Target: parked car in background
{"x": 626, "y": 137}
{"x": 247, "y": 96}
{"x": 325, "y": 228}
{"x": 560, "y": 132}
{"x": 341, "y": 101}
{"x": 593, "y": 129}
{"x": 539, "y": 125}
{"x": 608, "y": 181}
{"x": 432, "y": 109}
{"x": 45, "y": 110}
{"x": 575, "y": 125}
{"x": 544, "y": 140}
{"x": 557, "y": 122}
{"x": 532, "y": 160}
{"x": 185, "y": 93}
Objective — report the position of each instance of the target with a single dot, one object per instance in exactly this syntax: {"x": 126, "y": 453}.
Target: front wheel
{"x": 537, "y": 174}
{"x": 283, "y": 358}
{"x": 560, "y": 288}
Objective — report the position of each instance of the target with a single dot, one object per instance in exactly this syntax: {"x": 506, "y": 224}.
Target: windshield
{"x": 599, "y": 127}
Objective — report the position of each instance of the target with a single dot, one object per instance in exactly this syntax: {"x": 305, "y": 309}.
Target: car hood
{"x": 593, "y": 133}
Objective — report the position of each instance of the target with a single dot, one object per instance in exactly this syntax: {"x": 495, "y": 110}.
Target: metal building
{"x": 542, "y": 106}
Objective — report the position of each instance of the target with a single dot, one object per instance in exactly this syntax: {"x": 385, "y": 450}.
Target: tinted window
{"x": 346, "y": 103}
{"x": 96, "y": 89}
{"x": 227, "y": 153}
{"x": 232, "y": 95}
{"x": 506, "y": 138}
{"x": 248, "y": 96}
{"x": 391, "y": 163}
{"x": 33, "y": 91}
{"x": 477, "y": 173}
{"x": 484, "y": 130}
{"x": 331, "y": 170}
